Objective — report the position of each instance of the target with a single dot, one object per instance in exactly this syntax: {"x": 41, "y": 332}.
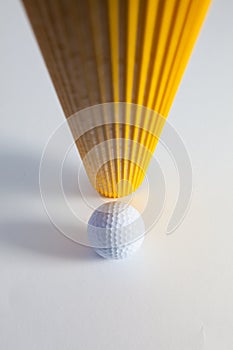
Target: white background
{"x": 176, "y": 293}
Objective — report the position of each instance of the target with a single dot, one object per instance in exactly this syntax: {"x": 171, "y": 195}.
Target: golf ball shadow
{"x": 115, "y": 230}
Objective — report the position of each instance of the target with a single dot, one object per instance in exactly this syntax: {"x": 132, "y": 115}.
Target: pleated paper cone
{"x": 116, "y": 142}
{"x": 116, "y": 51}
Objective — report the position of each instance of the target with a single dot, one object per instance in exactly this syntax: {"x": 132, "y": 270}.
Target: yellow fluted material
{"x": 111, "y": 51}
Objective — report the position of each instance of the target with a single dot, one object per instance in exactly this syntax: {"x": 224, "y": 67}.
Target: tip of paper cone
{"x": 121, "y": 189}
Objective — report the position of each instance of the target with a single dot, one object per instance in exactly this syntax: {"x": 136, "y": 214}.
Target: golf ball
{"x": 115, "y": 230}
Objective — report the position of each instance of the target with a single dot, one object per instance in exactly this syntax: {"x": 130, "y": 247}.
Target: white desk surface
{"x": 176, "y": 293}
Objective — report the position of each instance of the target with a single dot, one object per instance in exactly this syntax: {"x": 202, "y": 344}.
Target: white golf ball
{"x": 115, "y": 230}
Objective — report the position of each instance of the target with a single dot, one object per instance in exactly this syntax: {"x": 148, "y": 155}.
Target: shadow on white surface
{"x": 27, "y": 228}
{"x": 42, "y": 239}
{"x": 20, "y": 173}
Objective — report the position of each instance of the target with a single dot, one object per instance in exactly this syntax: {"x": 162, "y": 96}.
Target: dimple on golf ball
{"x": 115, "y": 230}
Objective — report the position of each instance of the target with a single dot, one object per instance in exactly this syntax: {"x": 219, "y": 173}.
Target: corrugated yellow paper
{"x": 132, "y": 52}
